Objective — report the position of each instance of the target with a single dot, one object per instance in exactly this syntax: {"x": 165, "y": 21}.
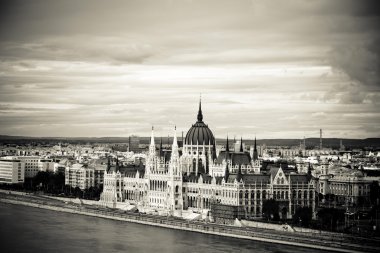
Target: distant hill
{"x": 326, "y": 142}
{"x": 310, "y": 142}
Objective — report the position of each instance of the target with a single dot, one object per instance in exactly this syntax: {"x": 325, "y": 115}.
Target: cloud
{"x": 360, "y": 62}
{"x": 76, "y": 48}
{"x": 278, "y": 69}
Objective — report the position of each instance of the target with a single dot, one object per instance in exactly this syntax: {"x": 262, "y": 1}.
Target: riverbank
{"x": 294, "y": 239}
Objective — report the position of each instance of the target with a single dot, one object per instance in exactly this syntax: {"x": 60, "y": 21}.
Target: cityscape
{"x": 164, "y": 126}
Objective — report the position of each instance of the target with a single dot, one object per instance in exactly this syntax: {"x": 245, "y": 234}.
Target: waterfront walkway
{"x": 328, "y": 241}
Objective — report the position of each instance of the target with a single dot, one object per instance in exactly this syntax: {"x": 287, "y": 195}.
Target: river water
{"x": 28, "y": 229}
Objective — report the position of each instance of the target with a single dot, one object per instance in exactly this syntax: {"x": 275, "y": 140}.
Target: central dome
{"x": 199, "y": 133}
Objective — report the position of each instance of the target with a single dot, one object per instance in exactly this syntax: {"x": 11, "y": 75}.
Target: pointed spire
{"x": 175, "y": 142}
{"x": 161, "y": 148}
{"x": 255, "y": 155}
{"x": 108, "y": 164}
{"x": 175, "y": 153}
{"x": 227, "y": 173}
{"x": 239, "y": 174}
{"x": 241, "y": 144}
{"x": 152, "y": 137}
{"x": 152, "y": 146}
{"x": 117, "y": 164}
{"x": 200, "y": 115}
{"x": 227, "y": 145}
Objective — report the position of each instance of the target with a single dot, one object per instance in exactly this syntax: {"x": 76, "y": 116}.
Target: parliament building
{"x": 195, "y": 179}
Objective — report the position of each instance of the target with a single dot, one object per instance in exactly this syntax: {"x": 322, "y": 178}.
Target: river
{"x": 28, "y": 229}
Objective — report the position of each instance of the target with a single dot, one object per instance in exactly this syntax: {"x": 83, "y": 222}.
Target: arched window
{"x": 278, "y": 180}
{"x": 200, "y": 165}
{"x": 282, "y": 181}
{"x": 282, "y": 195}
{"x": 274, "y": 194}
{"x": 264, "y": 194}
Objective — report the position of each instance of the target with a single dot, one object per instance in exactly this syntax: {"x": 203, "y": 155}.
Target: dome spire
{"x": 227, "y": 145}
{"x": 200, "y": 115}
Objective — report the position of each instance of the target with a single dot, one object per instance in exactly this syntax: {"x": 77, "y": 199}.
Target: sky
{"x": 274, "y": 69}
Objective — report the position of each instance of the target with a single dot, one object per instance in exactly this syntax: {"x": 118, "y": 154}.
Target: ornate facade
{"x": 198, "y": 178}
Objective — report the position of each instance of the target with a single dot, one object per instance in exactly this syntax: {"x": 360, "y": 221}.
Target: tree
{"x": 303, "y": 215}
{"x": 78, "y": 192}
{"x": 42, "y": 178}
{"x": 271, "y": 209}
{"x": 329, "y": 217}
{"x": 51, "y": 182}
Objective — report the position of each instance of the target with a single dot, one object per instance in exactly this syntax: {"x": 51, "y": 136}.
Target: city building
{"x": 31, "y": 165}
{"x": 46, "y": 165}
{"x": 345, "y": 186}
{"x": 79, "y": 175}
{"x": 100, "y": 167}
{"x": 12, "y": 171}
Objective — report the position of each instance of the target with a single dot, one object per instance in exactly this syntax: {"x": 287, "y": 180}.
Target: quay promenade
{"x": 325, "y": 241}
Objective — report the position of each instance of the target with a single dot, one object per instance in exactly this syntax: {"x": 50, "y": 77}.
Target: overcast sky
{"x": 277, "y": 69}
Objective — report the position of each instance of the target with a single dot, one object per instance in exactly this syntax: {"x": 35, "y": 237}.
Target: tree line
{"x": 54, "y": 184}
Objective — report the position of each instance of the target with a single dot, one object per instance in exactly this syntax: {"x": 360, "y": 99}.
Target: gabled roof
{"x": 273, "y": 171}
{"x": 256, "y": 179}
{"x": 129, "y": 169}
{"x": 219, "y": 180}
{"x": 236, "y": 158}
{"x": 231, "y": 178}
{"x": 299, "y": 178}
{"x": 192, "y": 177}
{"x": 134, "y": 172}
{"x": 206, "y": 178}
